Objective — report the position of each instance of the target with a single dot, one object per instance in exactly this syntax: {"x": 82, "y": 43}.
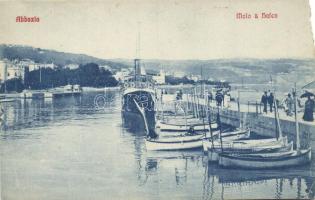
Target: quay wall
{"x": 266, "y": 126}
{"x": 263, "y": 125}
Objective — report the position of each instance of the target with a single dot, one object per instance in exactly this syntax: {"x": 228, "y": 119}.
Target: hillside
{"x": 233, "y": 70}
{"x": 238, "y": 70}
{"x": 48, "y": 56}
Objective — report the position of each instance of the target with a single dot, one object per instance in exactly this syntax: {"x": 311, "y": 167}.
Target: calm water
{"x": 72, "y": 148}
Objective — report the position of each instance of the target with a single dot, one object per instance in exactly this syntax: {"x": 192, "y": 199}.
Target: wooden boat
{"x": 246, "y": 147}
{"x": 178, "y": 133}
{"x": 237, "y": 134}
{"x": 179, "y": 138}
{"x": 268, "y": 161}
{"x": 180, "y": 143}
{"x": 171, "y": 143}
{"x": 183, "y": 127}
{"x": 181, "y": 120}
{"x": 245, "y": 144}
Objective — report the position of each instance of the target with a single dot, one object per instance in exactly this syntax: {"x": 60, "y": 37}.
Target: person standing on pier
{"x": 271, "y": 100}
{"x": 219, "y": 98}
{"x": 264, "y": 101}
{"x": 290, "y": 104}
{"x": 308, "y": 110}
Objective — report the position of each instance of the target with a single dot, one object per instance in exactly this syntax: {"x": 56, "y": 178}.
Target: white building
{"x": 3, "y": 73}
{"x": 122, "y": 74}
{"x": 36, "y": 66}
{"x": 160, "y": 79}
{"x": 72, "y": 66}
{"x": 195, "y": 77}
{"x": 10, "y": 70}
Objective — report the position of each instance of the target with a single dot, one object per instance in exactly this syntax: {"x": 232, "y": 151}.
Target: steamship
{"x": 139, "y": 89}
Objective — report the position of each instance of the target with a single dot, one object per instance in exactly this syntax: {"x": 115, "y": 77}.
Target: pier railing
{"x": 256, "y": 105}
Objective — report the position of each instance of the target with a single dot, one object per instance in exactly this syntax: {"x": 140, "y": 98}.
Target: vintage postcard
{"x": 156, "y": 99}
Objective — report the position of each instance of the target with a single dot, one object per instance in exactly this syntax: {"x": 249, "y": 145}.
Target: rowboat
{"x": 283, "y": 159}
{"x": 183, "y": 127}
{"x": 176, "y": 143}
{"x": 268, "y": 161}
{"x": 170, "y": 143}
{"x": 246, "y": 147}
{"x": 237, "y": 134}
{"x": 182, "y": 120}
{"x": 179, "y": 138}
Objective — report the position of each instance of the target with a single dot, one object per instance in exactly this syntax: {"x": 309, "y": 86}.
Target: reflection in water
{"x": 67, "y": 148}
{"x": 221, "y": 183}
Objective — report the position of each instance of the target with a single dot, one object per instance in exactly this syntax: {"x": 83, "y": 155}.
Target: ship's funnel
{"x": 137, "y": 68}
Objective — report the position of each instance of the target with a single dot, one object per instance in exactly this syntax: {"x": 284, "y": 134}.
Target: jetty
{"x": 262, "y": 124}
{"x": 68, "y": 90}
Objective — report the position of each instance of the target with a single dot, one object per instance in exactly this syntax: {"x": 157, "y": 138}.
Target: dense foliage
{"x": 89, "y": 75}
{"x": 175, "y": 80}
{"x": 15, "y": 84}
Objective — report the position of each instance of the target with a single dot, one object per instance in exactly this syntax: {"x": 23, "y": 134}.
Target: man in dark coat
{"x": 264, "y": 101}
{"x": 219, "y": 98}
{"x": 270, "y": 101}
{"x": 308, "y": 111}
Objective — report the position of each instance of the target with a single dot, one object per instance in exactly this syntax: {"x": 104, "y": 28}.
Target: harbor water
{"x": 82, "y": 148}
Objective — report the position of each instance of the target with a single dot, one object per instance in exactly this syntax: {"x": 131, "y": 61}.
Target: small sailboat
{"x": 284, "y": 159}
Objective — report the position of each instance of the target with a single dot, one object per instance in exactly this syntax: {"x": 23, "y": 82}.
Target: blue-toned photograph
{"x": 156, "y": 100}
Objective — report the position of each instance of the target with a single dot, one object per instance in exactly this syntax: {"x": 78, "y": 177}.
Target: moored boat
{"x": 184, "y": 127}
{"x": 181, "y": 144}
{"x": 268, "y": 161}
{"x": 246, "y": 147}
{"x": 289, "y": 158}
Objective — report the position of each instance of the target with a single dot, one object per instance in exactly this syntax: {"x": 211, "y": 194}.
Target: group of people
{"x": 220, "y": 97}
{"x": 267, "y": 99}
{"x": 289, "y": 104}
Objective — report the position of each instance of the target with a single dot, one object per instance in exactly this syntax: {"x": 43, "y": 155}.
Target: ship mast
{"x": 137, "y": 59}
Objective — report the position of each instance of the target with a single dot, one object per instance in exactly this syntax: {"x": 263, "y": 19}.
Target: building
{"x": 122, "y": 74}
{"x": 3, "y": 70}
{"x": 16, "y": 68}
{"x": 195, "y": 78}
{"x": 72, "y": 66}
{"x": 159, "y": 79}
{"x": 10, "y": 70}
{"x": 36, "y": 66}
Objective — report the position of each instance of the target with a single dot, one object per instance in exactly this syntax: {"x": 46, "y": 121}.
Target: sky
{"x": 185, "y": 29}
